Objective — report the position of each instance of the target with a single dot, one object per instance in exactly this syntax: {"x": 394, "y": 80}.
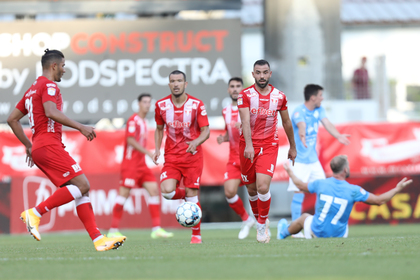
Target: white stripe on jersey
{"x": 272, "y": 121}
{"x": 254, "y": 102}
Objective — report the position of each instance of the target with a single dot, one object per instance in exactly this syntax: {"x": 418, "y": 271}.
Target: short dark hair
{"x": 310, "y": 90}
{"x": 177, "y": 72}
{"x": 143, "y": 95}
{"x": 262, "y": 62}
{"x": 236, "y": 79}
{"x": 338, "y": 163}
{"x": 50, "y": 57}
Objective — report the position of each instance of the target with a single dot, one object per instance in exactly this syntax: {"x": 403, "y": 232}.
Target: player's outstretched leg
{"x": 196, "y": 230}
{"x": 154, "y": 210}
{"x": 282, "y": 231}
{"x": 247, "y": 222}
{"x": 296, "y": 208}
{"x": 32, "y": 218}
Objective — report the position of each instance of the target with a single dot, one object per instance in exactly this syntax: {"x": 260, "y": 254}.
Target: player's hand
{"x": 149, "y": 153}
{"x": 192, "y": 147}
{"x": 287, "y": 168}
{"x": 249, "y": 153}
{"x": 292, "y": 155}
{"x": 220, "y": 139}
{"x": 88, "y": 132}
{"x": 155, "y": 157}
{"x": 238, "y": 125}
{"x": 342, "y": 138}
{"x": 403, "y": 183}
{"x": 29, "y": 159}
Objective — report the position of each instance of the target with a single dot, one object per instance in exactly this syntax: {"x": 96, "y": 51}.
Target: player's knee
{"x": 229, "y": 194}
{"x": 84, "y": 187}
{"x": 263, "y": 188}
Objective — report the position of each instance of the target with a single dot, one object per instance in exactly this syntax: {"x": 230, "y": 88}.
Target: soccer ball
{"x": 188, "y": 214}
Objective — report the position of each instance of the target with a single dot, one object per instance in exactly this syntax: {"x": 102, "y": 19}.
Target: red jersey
{"x": 263, "y": 113}
{"x": 231, "y": 116}
{"x": 137, "y": 128}
{"x": 45, "y": 130}
{"x": 182, "y": 125}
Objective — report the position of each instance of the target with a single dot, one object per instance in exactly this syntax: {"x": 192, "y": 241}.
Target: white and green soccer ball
{"x": 188, "y": 214}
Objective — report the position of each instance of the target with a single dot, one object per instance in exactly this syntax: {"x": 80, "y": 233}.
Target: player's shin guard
{"x": 117, "y": 211}
{"x": 253, "y": 200}
{"x": 60, "y": 197}
{"x": 154, "y": 209}
{"x": 296, "y": 206}
{"x": 195, "y": 230}
{"x": 264, "y": 201}
{"x": 237, "y": 205}
{"x": 85, "y": 213}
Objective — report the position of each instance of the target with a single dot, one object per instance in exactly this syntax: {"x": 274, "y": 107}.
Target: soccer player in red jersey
{"x": 134, "y": 171}
{"x": 233, "y": 177}
{"x": 43, "y": 104}
{"x": 187, "y": 127}
{"x": 258, "y": 147}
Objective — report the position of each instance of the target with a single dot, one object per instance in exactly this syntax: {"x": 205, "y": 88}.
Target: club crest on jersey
{"x": 51, "y": 91}
{"x": 194, "y": 106}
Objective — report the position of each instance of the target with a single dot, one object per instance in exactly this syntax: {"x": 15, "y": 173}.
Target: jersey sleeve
{"x": 158, "y": 117}
{"x": 243, "y": 100}
{"x": 202, "y": 115}
{"x": 297, "y": 117}
{"x": 313, "y": 186}
{"x": 131, "y": 128}
{"x": 49, "y": 93}
{"x": 283, "y": 105}
{"x": 21, "y": 106}
{"x": 360, "y": 194}
{"x": 322, "y": 114}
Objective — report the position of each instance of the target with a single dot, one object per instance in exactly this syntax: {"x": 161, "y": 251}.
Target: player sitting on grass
{"x": 335, "y": 199}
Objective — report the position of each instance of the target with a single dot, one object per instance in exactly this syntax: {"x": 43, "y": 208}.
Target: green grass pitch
{"x": 371, "y": 252}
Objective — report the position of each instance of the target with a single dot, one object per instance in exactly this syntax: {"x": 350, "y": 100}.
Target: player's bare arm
{"x": 302, "y": 132}
{"x": 246, "y": 130}
{"x": 385, "y": 197}
{"x": 223, "y": 138}
{"x": 53, "y": 113}
{"x": 158, "y": 143}
{"x": 136, "y": 145}
{"x": 14, "y": 122}
{"x": 204, "y": 135}
{"x": 342, "y": 138}
{"x": 288, "y": 128}
{"x": 298, "y": 182}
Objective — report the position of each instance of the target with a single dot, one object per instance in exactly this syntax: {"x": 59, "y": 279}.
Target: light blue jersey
{"x": 311, "y": 118}
{"x": 334, "y": 202}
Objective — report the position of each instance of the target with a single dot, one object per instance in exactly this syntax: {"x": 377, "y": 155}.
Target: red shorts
{"x": 264, "y": 162}
{"x": 56, "y": 163}
{"x": 233, "y": 171}
{"x": 190, "y": 173}
{"x": 136, "y": 178}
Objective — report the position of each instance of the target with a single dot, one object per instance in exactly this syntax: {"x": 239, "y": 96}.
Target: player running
{"x": 136, "y": 173}
{"x": 233, "y": 177}
{"x": 43, "y": 104}
{"x": 187, "y": 127}
{"x": 335, "y": 200}
{"x": 258, "y": 148}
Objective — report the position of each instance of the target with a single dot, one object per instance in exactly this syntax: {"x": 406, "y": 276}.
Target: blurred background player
{"x": 305, "y": 120}
{"x": 43, "y": 104}
{"x": 233, "y": 177}
{"x": 135, "y": 172}
{"x": 360, "y": 81}
{"x": 259, "y": 143}
{"x": 187, "y": 127}
{"x": 335, "y": 200}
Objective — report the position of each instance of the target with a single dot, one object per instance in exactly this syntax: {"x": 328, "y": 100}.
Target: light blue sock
{"x": 297, "y": 205}
{"x": 285, "y": 232}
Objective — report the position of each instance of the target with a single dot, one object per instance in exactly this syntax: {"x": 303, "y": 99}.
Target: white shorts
{"x": 308, "y": 230}
{"x": 307, "y": 172}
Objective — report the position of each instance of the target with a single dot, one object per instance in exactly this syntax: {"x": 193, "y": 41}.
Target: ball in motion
{"x": 188, "y": 214}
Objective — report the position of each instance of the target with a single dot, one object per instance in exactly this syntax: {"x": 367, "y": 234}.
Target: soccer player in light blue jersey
{"x": 305, "y": 120}
{"x": 335, "y": 200}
